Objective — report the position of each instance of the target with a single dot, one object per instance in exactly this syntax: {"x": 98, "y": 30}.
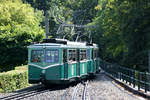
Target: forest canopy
{"x": 19, "y": 26}
{"x": 124, "y": 31}
{"x": 121, "y": 27}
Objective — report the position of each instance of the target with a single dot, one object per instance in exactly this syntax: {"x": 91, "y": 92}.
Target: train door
{"x": 83, "y": 62}
{"x": 65, "y": 63}
{"x": 92, "y": 67}
{"x": 89, "y": 61}
{"x": 78, "y": 62}
{"x": 72, "y": 63}
{"x": 94, "y": 60}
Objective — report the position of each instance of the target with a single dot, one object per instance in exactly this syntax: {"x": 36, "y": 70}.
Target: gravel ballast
{"x": 100, "y": 88}
{"x": 104, "y": 88}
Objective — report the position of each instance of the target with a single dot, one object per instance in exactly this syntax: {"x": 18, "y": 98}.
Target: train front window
{"x": 52, "y": 56}
{"x": 36, "y": 55}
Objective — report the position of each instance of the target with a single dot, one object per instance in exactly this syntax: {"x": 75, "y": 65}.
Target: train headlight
{"x": 43, "y": 71}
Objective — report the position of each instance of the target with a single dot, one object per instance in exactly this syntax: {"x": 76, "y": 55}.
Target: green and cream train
{"x": 56, "y": 61}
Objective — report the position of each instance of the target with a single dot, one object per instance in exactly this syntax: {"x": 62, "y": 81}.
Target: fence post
{"x": 120, "y": 73}
{"x": 130, "y": 74}
{"x": 126, "y": 75}
{"x": 138, "y": 80}
{"x": 134, "y": 80}
{"x": 148, "y": 69}
{"x": 145, "y": 83}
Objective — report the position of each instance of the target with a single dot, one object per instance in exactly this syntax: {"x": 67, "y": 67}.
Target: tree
{"x": 123, "y": 28}
{"x": 79, "y": 12}
{"x": 19, "y": 27}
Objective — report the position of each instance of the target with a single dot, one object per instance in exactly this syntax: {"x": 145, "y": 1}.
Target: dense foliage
{"x": 79, "y": 12}
{"x": 124, "y": 31}
{"x": 121, "y": 27}
{"x": 19, "y": 26}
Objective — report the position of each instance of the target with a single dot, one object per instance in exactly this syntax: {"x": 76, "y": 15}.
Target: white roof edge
{"x": 69, "y": 43}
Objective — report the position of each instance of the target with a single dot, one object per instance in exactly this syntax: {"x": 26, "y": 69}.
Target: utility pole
{"x": 46, "y": 24}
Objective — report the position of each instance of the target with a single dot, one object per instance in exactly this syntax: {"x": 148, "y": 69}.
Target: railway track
{"x": 26, "y": 94}
{"x": 74, "y": 94}
{"x": 79, "y": 91}
{"x": 84, "y": 93}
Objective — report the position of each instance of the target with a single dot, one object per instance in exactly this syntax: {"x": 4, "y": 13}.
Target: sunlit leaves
{"x": 98, "y": 7}
{"x": 19, "y": 26}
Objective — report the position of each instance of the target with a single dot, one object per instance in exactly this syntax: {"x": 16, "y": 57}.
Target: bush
{"x": 25, "y": 67}
{"x": 13, "y": 80}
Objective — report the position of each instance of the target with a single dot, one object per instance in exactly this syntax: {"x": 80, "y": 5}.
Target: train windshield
{"x": 52, "y": 56}
{"x": 36, "y": 55}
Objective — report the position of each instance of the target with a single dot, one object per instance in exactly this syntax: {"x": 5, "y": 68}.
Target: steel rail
{"x": 24, "y": 94}
{"x": 21, "y": 95}
{"x": 29, "y": 95}
{"x": 64, "y": 97}
{"x": 84, "y": 91}
{"x": 75, "y": 92}
{"x": 24, "y": 91}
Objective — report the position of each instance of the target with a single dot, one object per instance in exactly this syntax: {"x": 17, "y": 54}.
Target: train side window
{"x": 72, "y": 55}
{"x": 52, "y": 56}
{"x": 36, "y": 55}
{"x": 92, "y": 54}
{"x": 65, "y": 55}
{"x": 82, "y": 54}
{"x": 88, "y": 54}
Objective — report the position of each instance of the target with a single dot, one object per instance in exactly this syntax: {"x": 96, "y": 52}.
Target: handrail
{"x": 131, "y": 76}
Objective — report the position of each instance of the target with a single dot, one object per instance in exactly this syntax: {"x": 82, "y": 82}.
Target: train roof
{"x": 63, "y": 44}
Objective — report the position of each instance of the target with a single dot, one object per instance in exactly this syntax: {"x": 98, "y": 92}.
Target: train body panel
{"x": 72, "y": 70}
{"x": 89, "y": 65}
{"x": 53, "y": 73}
{"x": 56, "y": 63}
{"x": 34, "y": 74}
{"x": 97, "y": 64}
{"x": 83, "y": 68}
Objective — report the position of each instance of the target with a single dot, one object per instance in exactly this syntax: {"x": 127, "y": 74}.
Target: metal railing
{"x": 130, "y": 76}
